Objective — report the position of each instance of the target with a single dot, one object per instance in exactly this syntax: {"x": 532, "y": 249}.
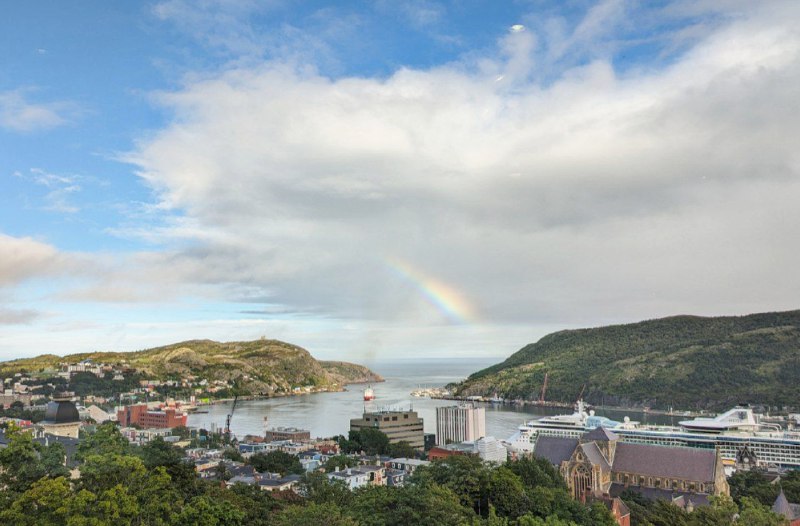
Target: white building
{"x": 352, "y": 477}
{"x": 491, "y": 450}
{"x": 460, "y": 423}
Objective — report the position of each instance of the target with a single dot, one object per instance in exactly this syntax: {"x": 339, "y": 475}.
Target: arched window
{"x": 581, "y": 482}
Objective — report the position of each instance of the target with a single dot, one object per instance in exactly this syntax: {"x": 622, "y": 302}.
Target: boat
{"x": 739, "y": 434}
{"x": 495, "y": 399}
{"x": 369, "y": 394}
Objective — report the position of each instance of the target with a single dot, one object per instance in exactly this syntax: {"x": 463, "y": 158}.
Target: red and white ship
{"x": 369, "y": 394}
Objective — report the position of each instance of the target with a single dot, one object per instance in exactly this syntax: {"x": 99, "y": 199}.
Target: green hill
{"x": 257, "y": 367}
{"x": 687, "y": 362}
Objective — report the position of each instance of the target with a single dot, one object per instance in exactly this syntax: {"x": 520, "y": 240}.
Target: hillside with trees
{"x": 259, "y": 367}
{"x": 686, "y": 362}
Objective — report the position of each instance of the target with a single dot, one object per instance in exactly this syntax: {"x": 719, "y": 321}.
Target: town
{"x": 385, "y": 447}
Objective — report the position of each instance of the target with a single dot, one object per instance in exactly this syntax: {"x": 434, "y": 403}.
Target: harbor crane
{"x": 227, "y": 431}
{"x": 581, "y": 393}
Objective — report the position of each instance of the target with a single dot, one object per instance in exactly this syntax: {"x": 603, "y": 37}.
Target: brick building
{"x": 287, "y": 433}
{"x": 140, "y": 415}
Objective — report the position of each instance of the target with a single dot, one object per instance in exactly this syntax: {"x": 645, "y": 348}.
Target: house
{"x": 275, "y": 482}
{"x": 395, "y": 477}
{"x": 376, "y": 475}
{"x": 407, "y": 465}
{"x": 352, "y": 477}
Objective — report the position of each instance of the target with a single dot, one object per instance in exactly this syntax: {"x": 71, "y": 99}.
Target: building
{"x": 142, "y": 416}
{"x": 451, "y": 450}
{"x": 93, "y": 412}
{"x": 460, "y": 423}
{"x": 491, "y": 450}
{"x": 408, "y": 465}
{"x": 790, "y": 511}
{"x": 599, "y": 465}
{"x": 287, "y": 433}
{"x": 143, "y": 436}
{"x": 61, "y": 418}
{"x": 9, "y": 397}
{"x": 488, "y": 449}
{"x": 274, "y": 482}
{"x": 351, "y": 477}
{"x": 399, "y": 426}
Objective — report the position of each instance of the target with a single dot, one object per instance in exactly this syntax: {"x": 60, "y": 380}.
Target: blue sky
{"x": 384, "y": 179}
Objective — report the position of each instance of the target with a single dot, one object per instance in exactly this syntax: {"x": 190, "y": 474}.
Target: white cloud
{"x": 589, "y": 198}
{"x": 20, "y": 115}
{"x": 59, "y": 188}
{"x": 23, "y": 258}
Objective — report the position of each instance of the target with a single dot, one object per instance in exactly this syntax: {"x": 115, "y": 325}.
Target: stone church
{"x": 599, "y": 465}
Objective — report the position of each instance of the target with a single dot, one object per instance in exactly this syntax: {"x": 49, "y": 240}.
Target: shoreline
{"x": 216, "y": 401}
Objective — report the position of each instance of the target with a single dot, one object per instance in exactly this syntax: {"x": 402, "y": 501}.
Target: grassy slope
{"x": 271, "y": 365}
{"x": 681, "y": 361}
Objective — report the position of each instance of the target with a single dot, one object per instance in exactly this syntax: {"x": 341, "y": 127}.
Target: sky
{"x": 382, "y": 180}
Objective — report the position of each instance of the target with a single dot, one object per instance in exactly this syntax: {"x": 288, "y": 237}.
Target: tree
{"x": 402, "y": 449}
{"x": 318, "y": 488}
{"x": 105, "y": 439}
{"x": 428, "y": 504}
{"x": 257, "y": 505}
{"x": 327, "y": 514}
{"x": 465, "y": 475}
{"x": 101, "y": 473}
{"x": 203, "y": 511}
{"x": 370, "y": 441}
{"x": 535, "y": 471}
{"x": 45, "y": 503}
{"x": 276, "y": 462}
{"x": 20, "y": 463}
{"x": 373, "y": 441}
{"x": 53, "y": 458}
{"x": 506, "y": 493}
{"x": 158, "y": 498}
{"x": 233, "y": 454}
{"x": 339, "y": 462}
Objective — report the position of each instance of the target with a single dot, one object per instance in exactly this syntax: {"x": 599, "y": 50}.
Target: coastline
{"x": 216, "y": 401}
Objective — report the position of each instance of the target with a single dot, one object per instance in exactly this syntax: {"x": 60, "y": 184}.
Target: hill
{"x": 686, "y": 362}
{"x": 256, "y": 367}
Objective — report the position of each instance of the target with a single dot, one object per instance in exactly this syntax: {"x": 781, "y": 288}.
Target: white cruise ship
{"x": 738, "y": 433}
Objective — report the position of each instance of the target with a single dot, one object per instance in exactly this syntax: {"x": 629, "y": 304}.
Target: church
{"x": 599, "y": 465}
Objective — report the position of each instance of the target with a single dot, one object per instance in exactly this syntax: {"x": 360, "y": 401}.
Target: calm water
{"x": 329, "y": 414}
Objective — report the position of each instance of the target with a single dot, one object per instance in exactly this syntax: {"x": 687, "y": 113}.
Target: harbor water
{"x": 329, "y": 414}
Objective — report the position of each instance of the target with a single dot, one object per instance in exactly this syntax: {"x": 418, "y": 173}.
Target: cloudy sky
{"x": 391, "y": 179}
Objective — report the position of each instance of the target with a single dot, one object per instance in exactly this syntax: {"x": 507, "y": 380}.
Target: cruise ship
{"x": 739, "y": 434}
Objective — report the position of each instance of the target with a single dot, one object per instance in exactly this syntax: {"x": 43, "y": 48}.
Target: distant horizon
{"x": 373, "y": 358}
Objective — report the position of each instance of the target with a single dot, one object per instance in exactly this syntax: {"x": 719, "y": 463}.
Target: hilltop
{"x": 260, "y": 367}
{"x": 686, "y": 362}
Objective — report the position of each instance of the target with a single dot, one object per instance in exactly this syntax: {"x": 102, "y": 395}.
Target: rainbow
{"x": 448, "y": 301}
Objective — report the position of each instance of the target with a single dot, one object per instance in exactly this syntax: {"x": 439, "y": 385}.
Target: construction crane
{"x": 544, "y": 389}
{"x": 228, "y": 420}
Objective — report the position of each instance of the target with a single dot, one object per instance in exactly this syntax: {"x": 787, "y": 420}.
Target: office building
{"x": 460, "y": 423}
{"x": 399, "y": 426}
